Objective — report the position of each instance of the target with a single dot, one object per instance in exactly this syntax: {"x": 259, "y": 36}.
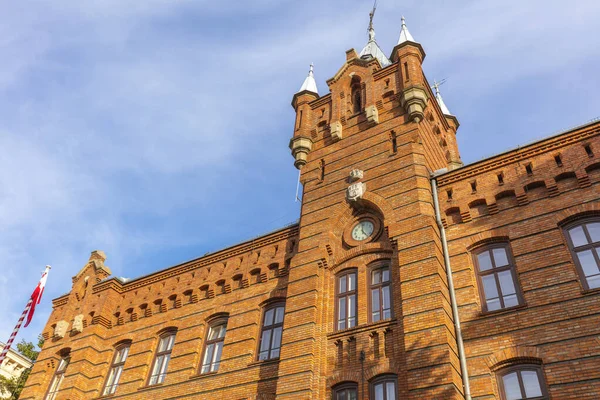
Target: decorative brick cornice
{"x": 222, "y": 255}
{"x": 522, "y": 153}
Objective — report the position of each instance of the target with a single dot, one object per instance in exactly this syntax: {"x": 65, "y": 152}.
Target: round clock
{"x": 362, "y": 230}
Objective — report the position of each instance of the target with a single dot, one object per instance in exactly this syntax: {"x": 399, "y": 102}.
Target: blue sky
{"x": 157, "y": 131}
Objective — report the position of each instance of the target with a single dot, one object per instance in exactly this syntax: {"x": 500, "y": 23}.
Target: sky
{"x": 158, "y": 130}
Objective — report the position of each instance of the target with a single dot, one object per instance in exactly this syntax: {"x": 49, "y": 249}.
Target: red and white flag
{"x": 34, "y": 300}
{"x": 36, "y": 296}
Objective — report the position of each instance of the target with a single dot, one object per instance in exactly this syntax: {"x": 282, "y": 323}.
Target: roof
{"x": 309, "y": 83}
{"x": 405, "y": 35}
{"x": 372, "y": 49}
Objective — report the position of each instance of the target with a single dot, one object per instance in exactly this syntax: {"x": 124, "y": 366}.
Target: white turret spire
{"x": 372, "y": 49}
{"x": 405, "y": 35}
{"x": 438, "y": 97}
{"x": 309, "y": 83}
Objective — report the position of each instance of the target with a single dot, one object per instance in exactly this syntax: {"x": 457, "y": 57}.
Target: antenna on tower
{"x": 436, "y": 85}
{"x": 371, "y": 15}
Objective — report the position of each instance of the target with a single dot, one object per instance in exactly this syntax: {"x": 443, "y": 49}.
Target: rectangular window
{"x": 57, "y": 379}
{"x": 497, "y": 278}
{"x": 116, "y": 370}
{"x": 161, "y": 361}
{"x": 272, "y": 328}
{"x": 346, "y": 300}
{"x": 381, "y": 306}
{"x": 214, "y": 347}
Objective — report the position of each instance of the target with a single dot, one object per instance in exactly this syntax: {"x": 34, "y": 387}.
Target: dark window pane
{"x": 385, "y": 276}
{"x": 493, "y": 304}
{"x": 531, "y": 384}
{"x": 489, "y": 286}
{"x": 500, "y": 257}
{"x": 376, "y": 277}
{"x": 269, "y": 317}
{"x": 484, "y": 261}
{"x": 343, "y": 284}
{"x": 588, "y": 263}
{"x": 279, "y": 315}
{"x": 511, "y": 386}
{"x": 578, "y": 236}
{"x": 266, "y": 340}
{"x": 594, "y": 231}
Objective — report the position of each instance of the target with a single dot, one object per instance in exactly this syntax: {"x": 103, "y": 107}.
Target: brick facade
{"x": 397, "y": 138}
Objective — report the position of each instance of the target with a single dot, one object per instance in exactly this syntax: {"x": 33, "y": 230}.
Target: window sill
{"x": 503, "y": 310}
{"x": 264, "y": 362}
{"x": 204, "y": 375}
{"x": 589, "y": 292}
{"x": 150, "y": 387}
{"x": 362, "y": 328}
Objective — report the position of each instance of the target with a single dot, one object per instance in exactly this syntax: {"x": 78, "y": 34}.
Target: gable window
{"x": 214, "y": 346}
{"x": 161, "y": 360}
{"x": 384, "y": 388}
{"x": 584, "y": 244}
{"x": 381, "y": 307}
{"x": 58, "y": 377}
{"x": 346, "y": 300}
{"x": 522, "y": 382}
{"x": 272, "y": 327}
{"x": 345, "y": 391}
{"x": 357, "y": 105}
{"x": 116, "y": 369}
{"x": 497, "y": 277}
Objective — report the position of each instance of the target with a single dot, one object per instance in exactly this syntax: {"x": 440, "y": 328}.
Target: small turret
{"x": 372, "y": 49}
{"x": 301, "y": 142}
{"x": 410, "y": 55}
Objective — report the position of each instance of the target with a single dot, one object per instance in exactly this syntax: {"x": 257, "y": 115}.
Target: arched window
{"x": 162, "y": 357}
{"x": 384, "y": 388}
{"x": 346, "y": 300}
{"x": 381, "y": 305}
{"x": 522, "y": 382}
{"x": 357, "y": 105}
{"x": 213, "y": 346}
{"x": 116, "y": 368}
{"x": 345, "y": 391}
{"x": 583, "y": 238}
{"x": 58, "y": 377}
{"x": 272, "y": 327}
{"x": 497, "y": 277}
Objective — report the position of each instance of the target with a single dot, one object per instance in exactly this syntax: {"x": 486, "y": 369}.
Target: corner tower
{"x": 367, "y": 295}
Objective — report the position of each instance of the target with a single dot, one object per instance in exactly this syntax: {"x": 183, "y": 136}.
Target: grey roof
{"x": 438, "y": 97}
{"x": 372, "y": 49}
{"x": 309, "y": 83}
{"x": 405, "y": 35}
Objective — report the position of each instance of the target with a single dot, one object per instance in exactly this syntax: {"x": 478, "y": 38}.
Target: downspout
{"x": 459, "y": 339}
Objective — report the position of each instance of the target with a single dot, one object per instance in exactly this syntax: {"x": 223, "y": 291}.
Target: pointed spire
{"x": 309, "y": 83}
{"x": 372, "y": 49}
{"x": 438, "y": 97}
{"x": 405, "y": 35}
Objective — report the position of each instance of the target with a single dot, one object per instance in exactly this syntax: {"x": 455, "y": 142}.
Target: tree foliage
{"x": 13, "y": 386}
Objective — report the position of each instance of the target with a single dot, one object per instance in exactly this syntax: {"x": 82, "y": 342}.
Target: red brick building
{"x": 408, "y": 276}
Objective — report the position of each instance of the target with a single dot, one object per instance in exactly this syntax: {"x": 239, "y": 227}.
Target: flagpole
{"x": 15, "y": 331}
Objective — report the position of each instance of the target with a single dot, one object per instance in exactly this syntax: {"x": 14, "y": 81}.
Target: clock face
{"x": 362, "y": 230}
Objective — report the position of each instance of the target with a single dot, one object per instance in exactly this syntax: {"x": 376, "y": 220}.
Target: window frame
{"x": 589, "y": 246}
{"x": 58, "y": 377}
{"x": 168, "y": 352}
{"x": 270, "y": 306}
{"x": 519, "y": 368}
{"x": 343, "y": 387}
{"x": 114, "y": 365}
{"x": 512, "y": 267}
{"x": 346, "y": 295}
{"x": 379, "y": 286}
{"x": 222, "y": 321}
{"x": 383, "y": 379}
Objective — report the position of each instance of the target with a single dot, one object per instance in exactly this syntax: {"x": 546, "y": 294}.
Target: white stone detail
{"x": 356, "y": 174}
{"x": 356, "y": 191}
{"x": 372, "y": 114}
{"x": 61, "y": 329}
{"x": 77, "y": 324}
{"x": 336, "y": 130}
